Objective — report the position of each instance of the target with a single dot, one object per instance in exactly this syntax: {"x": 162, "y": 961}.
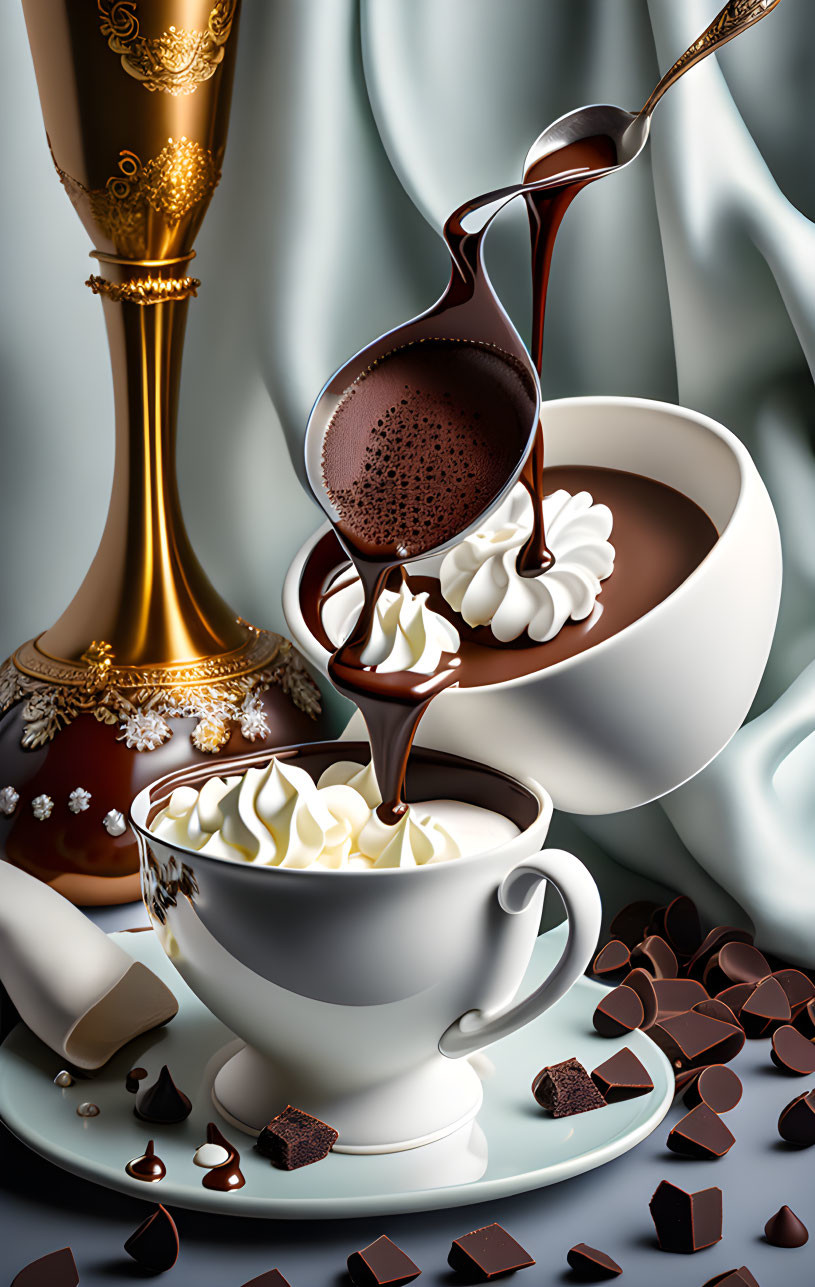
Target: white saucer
{"x": 512, "y": 1146}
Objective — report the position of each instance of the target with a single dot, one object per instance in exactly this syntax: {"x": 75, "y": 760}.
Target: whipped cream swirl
{"x": 406, "y": 634}
{"x": 278, "y": 816}
{"x": 480, "y": 580}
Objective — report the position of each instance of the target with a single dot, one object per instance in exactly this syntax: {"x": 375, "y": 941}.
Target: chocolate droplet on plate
{"x": 86, "y": 1109}
{"x": 701, "y": 1134}
{"x": 590, "y": 1265}
{"x": 792, "y": 1052}
{"x": 148, "y": 1167}
{"x": 381, "y": 1263}
{"x": 717, "y": 1086}
{"x": 611, "y": 959}
{"x": 209, "y": 1155}
{"x": 487, "y": 1253}
{"x": 63, "y": 1079}
{"x": 228, "y": 1176}
{"x": 784, "y": 1229}
{"x": 618, "y": 1013}
{"x": 796, "y": 1124}
{"x": 565, "y": 1089}
{"x": 622, "y": 1077}
{"x": 294, "y": 1139}
{"x": 58, "y": 1269}
{"x": 133, "y": 1078}
{"x": 163, "y": 1102}
{"x": 686, "y": 1222}
{"x": 154, "y": 1245}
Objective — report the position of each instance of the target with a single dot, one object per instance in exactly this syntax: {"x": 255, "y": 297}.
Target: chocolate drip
{"x": 148, "y": 1167}
{"x": 227, "y": 1176}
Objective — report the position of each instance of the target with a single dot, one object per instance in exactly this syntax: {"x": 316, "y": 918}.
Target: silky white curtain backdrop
{"x": 356, "y": 126}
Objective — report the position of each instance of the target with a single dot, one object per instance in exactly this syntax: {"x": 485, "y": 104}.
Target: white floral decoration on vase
{"x": 114, "y": 822}
{"x": 9, "y": 799}
{"x": 144, "y": 730}
{"x": 78, "y": 800}
{"x": 42, "y": 807}
{"x": 254, "y": 724}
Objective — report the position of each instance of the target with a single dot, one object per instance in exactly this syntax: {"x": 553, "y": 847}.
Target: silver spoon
{"x": 629, "y": 130}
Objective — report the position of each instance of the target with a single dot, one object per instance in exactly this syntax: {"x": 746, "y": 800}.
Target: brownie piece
{"x": 294, "y": 1139}
{"x": 566, "y": 1089}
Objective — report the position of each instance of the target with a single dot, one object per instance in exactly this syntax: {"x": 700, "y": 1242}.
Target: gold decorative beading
{"x": 175, "y": 62}
{"x": 145, "y": 290}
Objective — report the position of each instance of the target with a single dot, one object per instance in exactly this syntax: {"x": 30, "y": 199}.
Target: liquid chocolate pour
{"x": 546, "y": 209}
{"x": 420, "y": 446}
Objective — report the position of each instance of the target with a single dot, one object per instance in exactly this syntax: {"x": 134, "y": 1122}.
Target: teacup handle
{"x": 582, "y": 902}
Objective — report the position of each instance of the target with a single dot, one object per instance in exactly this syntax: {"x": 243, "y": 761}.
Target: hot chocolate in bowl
{"x": 360, "y": 993}
{"x": 612, "y": 724}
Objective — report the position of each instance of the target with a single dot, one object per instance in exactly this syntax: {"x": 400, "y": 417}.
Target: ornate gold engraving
{"x": 216, "y": 691}
{"x": 183, "y": 174}
{"x": 145, "y": 290}
{"x": 177, "y": 61}
{"x": 735, "y": 17}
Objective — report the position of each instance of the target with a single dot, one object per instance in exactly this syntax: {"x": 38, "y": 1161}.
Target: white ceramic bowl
{"x": 642, "y": 712}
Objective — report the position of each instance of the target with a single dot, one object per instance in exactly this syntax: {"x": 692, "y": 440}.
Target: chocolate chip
{"x": 796, "y": 1124}
{"x": 686, "y": 1222}
{"x": 641, "y": 982}
{"x": 622, "y": 1077}
{"x": 487, "y": 1253}
{"x": 701, "y": 1134}
{"x": 784, "y": 1229}
{"x": 133, "y": 1078}
{"x": 675, "y": 996}
{"x": 692, "y": 1040}
{"x": 716, "y": 1086}
{"x": 590, "y": 1265}
{"x": 792, "y": 1052}
{"x": 611, "y": 959}
{"x": 154, "y": 1245}
{"x": 381, "y": 1263}
{"x": 566, "y": 1089}
{"x": 294, "y": 1139}
{"x": 630, "y": 925}
{"x": 765, "y": 1008}
{"x": 681, "y": 926}
{"x": 733, "y": 1278}
{"x": 656, "y": 956}
{"x": 743, "y": 963}
{"x": 713, "y": 943}
{"x": 163, "y": 1102}
{"x": 58, "y": 1269}
{"x": 619, "y": 1013}
{"x": 798, "y": 987}
{"x": 272, "y": 1278}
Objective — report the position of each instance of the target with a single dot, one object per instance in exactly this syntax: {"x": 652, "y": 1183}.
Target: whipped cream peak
{"x": 480, "y": 580}
{"x": 406, "y": 633}
{"x": 279, "y": 816}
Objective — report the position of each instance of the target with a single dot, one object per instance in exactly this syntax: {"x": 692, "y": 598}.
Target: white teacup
{"x": 637, "y": 715}
{"x": 359, "y": 993}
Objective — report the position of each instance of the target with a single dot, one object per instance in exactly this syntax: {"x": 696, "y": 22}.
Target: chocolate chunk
{"x": 622, "y": 1077}
{"x": 487, "y": 1253}
{"x": 692, "y": 1040}
{"x": 619, "y": 1013}
{"x": 630, "y": 925}
{"x": 133, "y": 1078}
{"x": 701, "y": 1134}
{"x": 796, "y": 1124}
{"x": 798, "y": 987}
{"x": 792, "y": 1052}
{"x": 675, "y": 996}
{"x": 154, "y": 1245}
{"x": 272, "y": 1278}
{"x": 686, "y": 1222}
{"x": 719, "y": 1009}
{"x": 380, "y": 1263}
{"x": 641, "y": 982}
{"x": 684, "y": 1079}
{"x": 784, "y": 1229}
{"x": 743, "y": 963}
{"x": 657, "y": 957}
{"x": 712, "y": 944}
{"x": 681, "y": 926}
{"x": 733, "y": 1278}
{"x": 58, "y": 1269}
{"x": 590, "y": 1265}
{"x": 566, "y": 1089}
{"x": 611, "y": 959}
{"x": 163, "y": 1102}
{"x": 716, "y": 1086}
{"x": 294, "y": 1139}
{"x": 732, "y": 998}
{"x": 804, "y": 1020}
{"x": 765, "y": 1009}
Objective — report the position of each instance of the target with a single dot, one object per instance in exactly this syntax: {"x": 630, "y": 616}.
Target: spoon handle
{"x": 735, "y": 17}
